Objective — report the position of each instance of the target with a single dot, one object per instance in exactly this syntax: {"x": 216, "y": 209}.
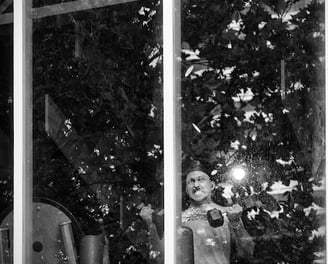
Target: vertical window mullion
{"x": 169, "y": 133}
{"x": 326, "y": 110}
{"x": 22, "y": 132}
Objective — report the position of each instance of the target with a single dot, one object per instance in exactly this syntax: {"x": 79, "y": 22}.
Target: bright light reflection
{"x": 238, "y": 173}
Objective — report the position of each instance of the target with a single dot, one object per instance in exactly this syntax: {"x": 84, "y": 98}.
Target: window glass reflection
{"x": 97, "y": 132}
{"x": 6, "y": 137}
{"x": 6, "y": 128}
{"x": 252, "y": 102}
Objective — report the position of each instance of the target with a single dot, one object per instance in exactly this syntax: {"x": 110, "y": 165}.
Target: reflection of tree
{"x": 105, "y": 156}
{"x": 6, "y": 128}
{"x": 251, "y": 75}
{"x": 110, "y": 94}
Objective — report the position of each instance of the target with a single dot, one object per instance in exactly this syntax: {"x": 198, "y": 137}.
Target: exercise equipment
{"x": 55, "y": 234}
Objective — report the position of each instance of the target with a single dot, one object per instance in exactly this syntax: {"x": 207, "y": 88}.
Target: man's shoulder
{"x": 200, "y": 212}
{"x": 193, "y": 213}
{"x": 204, "y": 208}
{"x": 213, "y": 205}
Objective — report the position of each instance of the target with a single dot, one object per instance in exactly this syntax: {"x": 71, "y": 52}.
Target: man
{"x": 212, "y": 245}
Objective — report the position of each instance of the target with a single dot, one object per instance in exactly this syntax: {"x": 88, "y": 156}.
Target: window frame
{"x": 170, "y": 130}
{"x": 22, "y": 92}
{"x": 22, "y": 119}
{"x": 23, "y": 140}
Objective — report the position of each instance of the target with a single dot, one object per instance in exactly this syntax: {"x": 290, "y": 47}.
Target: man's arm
{"x": 242, "y": 240}
{"x": 156, "y": 243}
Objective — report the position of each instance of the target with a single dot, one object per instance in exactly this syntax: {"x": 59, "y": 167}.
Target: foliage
{"x": 6, "y": 112}
{"x": 106, "y": 154}
{"x": 102, "y": 69}
{"x": 237, "y": 112}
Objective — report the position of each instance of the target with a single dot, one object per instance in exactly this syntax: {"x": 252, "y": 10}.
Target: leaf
{"x": 189, "y": 71}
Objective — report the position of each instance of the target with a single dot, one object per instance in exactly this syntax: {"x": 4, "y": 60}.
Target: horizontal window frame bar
{"x": 65, "y": 8}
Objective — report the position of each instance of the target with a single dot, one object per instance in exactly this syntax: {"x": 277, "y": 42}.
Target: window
{"x": 214, "y": 109}
{"x": 6, "y": 142}
{"x": 89, "y": 176}
{"x": 252, "y": 119}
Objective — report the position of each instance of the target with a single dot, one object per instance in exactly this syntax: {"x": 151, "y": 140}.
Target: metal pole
{"x": 5, "y": 257}
{"x": 68, "y": 241}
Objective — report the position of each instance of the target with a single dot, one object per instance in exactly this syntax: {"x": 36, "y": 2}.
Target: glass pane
{"x": 97, "y": 129}
{"x": 253, "y": 132}
{"x": 6, "y": 135}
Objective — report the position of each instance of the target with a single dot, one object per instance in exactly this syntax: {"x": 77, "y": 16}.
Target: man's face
{"x": 199, "y": 186}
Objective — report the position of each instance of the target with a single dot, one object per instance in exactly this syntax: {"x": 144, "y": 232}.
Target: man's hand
{"x": 234, "y": 213}
{"x": 235, "y": 209}
{"x": 146, "y": 214}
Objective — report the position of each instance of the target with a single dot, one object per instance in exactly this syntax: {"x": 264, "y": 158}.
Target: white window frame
{"x": 170, "y": 155}
{"x": 326, "y": 118}
{"x": 23, "y": 147}
{"x": 22, "y": 133}
{"x": 23, "y": 173}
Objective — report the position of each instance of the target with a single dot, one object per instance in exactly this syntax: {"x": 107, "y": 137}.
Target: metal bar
{"x": 5, "y": 257}
{"x": 75, "y": 6}
{"x": 68, "y": 241}
{"x": 64, "y": 8}
{"x": 177, "y": 112}
{"x": 23, "y": 154}
{"x": 169, "y": 134}
{"x": 326, "y": 119}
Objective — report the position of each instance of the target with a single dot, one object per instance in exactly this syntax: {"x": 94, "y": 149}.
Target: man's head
{"x": 199, "y": 186}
